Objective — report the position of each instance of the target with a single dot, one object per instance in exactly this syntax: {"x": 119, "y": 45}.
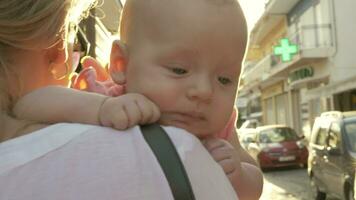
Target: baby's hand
{"x": 226, "y": 156}
{"x": 127, "y": 110}
{"x": 87, "y": 80}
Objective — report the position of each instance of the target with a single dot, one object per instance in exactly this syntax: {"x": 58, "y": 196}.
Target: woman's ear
{"x": 57, "y": 54}
{"x": 118, "y": 62}
{"x": 57, "y": 57}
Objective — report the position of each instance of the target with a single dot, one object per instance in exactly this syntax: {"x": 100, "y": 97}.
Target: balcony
{"x": 275, "y": 12}
{"x": 258, "y": 72}
{"x": 264, "y": 26}
{"x": 314, "y": 41}
{"x": 280, "y": 7}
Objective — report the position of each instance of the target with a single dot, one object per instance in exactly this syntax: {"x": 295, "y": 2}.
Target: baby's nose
{"x": 201, "y": 90}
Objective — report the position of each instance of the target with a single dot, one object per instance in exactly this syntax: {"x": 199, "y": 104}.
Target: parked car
{"x": 331, "y": 164}
{"x": 246, "y": 132}
{"x": 277, "y": 146}
{"x": 354, "y": 187}
{"x": 247, "y": 138}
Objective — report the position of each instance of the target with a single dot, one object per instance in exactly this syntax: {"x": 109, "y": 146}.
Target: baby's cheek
{"x": 218, "y": 122}
{"x": 163, "y": 102}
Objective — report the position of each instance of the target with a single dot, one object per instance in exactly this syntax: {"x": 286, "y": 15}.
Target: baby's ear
{"x": 118, "y": 62}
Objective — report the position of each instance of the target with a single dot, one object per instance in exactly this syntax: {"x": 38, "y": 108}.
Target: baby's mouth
{"x": 190, "y": 116}
{"x": 183, "y": 118}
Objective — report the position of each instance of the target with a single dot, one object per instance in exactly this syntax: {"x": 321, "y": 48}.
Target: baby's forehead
{"x": 152, "y": 11}
{"x": 159, "y": 5}
{"x": 151, "y": 15}
{"x": 212, "y": 24}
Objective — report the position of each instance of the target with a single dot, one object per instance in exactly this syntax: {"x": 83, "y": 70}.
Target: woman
{"x": 38, "y": 32}
{"x": 75, "y": 161}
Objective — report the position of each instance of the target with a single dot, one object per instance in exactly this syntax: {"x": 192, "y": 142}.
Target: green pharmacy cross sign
{"x": 286, "y": 50}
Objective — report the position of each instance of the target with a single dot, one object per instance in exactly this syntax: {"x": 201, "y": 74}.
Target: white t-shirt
{"x": 75, "y": 161}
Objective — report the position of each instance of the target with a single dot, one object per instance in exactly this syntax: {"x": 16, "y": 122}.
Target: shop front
{"x": 275, "y": 105}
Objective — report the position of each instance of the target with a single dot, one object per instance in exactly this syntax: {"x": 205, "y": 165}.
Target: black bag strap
{"x": 169, "y": 160}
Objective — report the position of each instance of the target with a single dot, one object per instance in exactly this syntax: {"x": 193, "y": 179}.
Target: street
{"x": 287, "y": 184}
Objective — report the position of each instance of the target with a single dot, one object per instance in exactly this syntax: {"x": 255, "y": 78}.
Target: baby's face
{"x": 190, "y": 66}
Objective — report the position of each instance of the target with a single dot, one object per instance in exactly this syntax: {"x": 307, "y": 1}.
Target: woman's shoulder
{"x": 180, "y": 134}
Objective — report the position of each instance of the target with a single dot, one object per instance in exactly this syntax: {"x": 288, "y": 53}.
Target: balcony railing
{"x": 256, "y": 72}
{"x": 313, "y": 36}
{"x": 312, "y": 39}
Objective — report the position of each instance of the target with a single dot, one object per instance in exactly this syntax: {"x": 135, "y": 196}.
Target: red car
{"x": 278, "y": 146}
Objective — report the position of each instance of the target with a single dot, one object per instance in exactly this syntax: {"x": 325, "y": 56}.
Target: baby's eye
{"x": 179, "y": 71}
{"x": 224, "y": 80}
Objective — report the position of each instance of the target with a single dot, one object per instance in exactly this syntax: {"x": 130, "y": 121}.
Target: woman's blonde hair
{"x": 32, "y": 24}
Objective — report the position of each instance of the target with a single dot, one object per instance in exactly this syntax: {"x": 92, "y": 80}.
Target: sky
{"x": 253, "y": 9}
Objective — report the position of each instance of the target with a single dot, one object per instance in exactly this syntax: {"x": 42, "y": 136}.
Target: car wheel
{"x": 349, "y": 193}
{"x": 317, "y": 194}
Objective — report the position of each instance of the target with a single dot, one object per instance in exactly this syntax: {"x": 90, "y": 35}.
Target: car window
{"x": 321, "y": 137}
{"x": 334, "y": 134}
{"x": 350, "y": 130}
{"x": 247, "y": 138}
{"x": 275, "y": 135}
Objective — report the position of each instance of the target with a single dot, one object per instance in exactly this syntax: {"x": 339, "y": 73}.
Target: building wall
{"x": 258, "y": 52}
{"x": 254, "y": 54}
{"x": 316, "y": 25}
{"x": 273, "y": 37}
{"x": 275, "y": 105}
{"x": 310, "y": 24}
{"x": 345, "y": 59}
{"x": 100, "y": 27}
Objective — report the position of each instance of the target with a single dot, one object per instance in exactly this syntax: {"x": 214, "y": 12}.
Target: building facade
{"x": 320, "y": 77}
{"x": 98, "y": 31}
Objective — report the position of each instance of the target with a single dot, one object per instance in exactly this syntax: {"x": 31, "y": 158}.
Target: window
{"x": 281, "y": 109}
{"x": 276, "y": 135}
{"x": 350, "y": 130}
{"x": 270, "y": 115}
{"x": 334, "y": 134}
{"x": 255, "y": 105}
{"x": 321, "y": 137}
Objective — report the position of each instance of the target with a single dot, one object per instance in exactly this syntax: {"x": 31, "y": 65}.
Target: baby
{"x": 179, "y": 62}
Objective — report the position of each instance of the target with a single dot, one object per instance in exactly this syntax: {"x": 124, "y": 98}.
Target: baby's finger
{"x": 73, "y": 79}
{"x": 133, "y": 112}
{"x": 121, "y": 119}
{"x": 145, "y": 109}
{"x": 212, "y": 143}
{"x": 228, "y": 166}
{"x": 156, "y": 113}
{"x": 221, "y": 153}
{"x": 109, "y": 83}
{"x": 88, "y": 61}
{"x": 116, "y": 90}
{"x": 90, "y": 76}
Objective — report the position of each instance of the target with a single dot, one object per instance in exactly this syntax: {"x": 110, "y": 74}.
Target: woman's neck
{"x": 11, "y": 128}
